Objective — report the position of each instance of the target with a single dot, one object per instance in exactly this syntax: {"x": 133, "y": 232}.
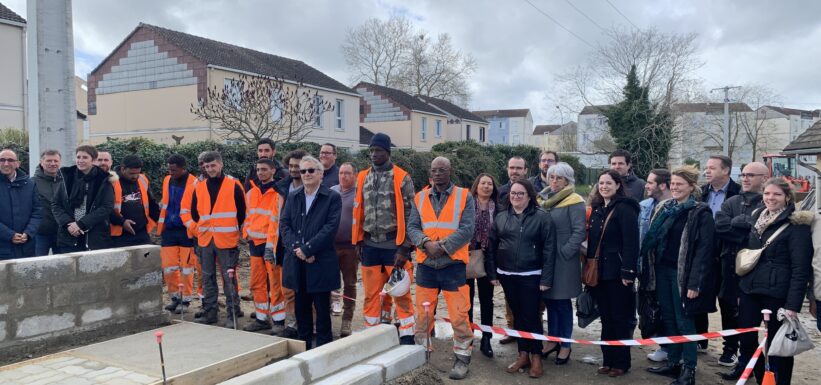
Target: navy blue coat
{"x": 19, "y": 213}
{"x": 314, "y": 233}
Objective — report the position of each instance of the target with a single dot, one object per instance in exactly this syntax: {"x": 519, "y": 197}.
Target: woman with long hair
{"x": 485, "y": 191}
{"x": 520, "y": 257}
{"x": 614, "y": 238}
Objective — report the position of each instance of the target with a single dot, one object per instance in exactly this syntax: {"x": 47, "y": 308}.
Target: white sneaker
{"x": 659, "y": 355}
{"x": 336, "y": 308}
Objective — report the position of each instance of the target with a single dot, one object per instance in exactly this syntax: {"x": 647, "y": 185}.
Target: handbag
{"x": 476, "y": 264}
{"x": 590, "y": 266}
{"x": 746, "y": 259}
{"x": 586, "y": 309}
{"x": 791, "y": 338}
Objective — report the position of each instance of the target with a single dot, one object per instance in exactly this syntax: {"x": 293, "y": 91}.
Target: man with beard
{"x": 546, "y": 159}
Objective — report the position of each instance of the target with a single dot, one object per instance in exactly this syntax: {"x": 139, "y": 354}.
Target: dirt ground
{"x": 581, "y": 369}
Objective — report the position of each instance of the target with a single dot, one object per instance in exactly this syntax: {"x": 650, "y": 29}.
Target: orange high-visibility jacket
{"x": 218, "y": 223}
{"x": 447, "y": 223}
{"x": 164, "y": 203}
{"x": 142, "y": 181}
{"x": 357, "y": 231}
{"x": 262, "y": 218}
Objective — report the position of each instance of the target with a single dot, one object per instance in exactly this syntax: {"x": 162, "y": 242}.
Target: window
{"x": 500, "y": 124}
{"x": 515, "y": 140}
{"x": 232, "y": 89}
{"x": 467, "y": 132}
{"x": 339, "y": 114}
{"x": 482, "y": 134}
{"x": 319, "y": 110}
{"x": 276, "y": 107}
{"x": 423, "y": 134}
{"x": 438, "y": 128}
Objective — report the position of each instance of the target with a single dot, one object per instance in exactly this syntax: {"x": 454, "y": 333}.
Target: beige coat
{"x": 816, "y": 258}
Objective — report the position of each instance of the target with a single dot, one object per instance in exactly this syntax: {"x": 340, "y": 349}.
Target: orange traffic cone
{"x": 769, "y": 376}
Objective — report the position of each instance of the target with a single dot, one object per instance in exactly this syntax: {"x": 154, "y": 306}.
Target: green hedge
{"x": 468, "y": 158}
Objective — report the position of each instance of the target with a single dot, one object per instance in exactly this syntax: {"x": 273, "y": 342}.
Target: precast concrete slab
{"x": 193, "y": 354}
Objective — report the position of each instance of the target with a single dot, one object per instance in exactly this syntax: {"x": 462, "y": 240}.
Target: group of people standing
{"x": 668, "y": 244}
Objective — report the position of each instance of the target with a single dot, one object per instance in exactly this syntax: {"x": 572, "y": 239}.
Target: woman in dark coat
{"x": 485, "y": 192}
{"x": 83, "y": 205}
{"x": 311, "y": 268}
{"x": 520, "y": 256}
{"x": 566, "y": 208}
{"x": 677, "y": 261}
{"x": 617, "y": 245}
{"x": 779, "y": 279}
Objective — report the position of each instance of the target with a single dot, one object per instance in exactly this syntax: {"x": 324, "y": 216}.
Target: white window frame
{"x": 339, "y": 115}
{"x": 423, "y": 133}
{"x": 319, "y": 101}
{"x": 438, "y": 128}
{"x": 277, "y": 113}
{"x": 231, "y": 88}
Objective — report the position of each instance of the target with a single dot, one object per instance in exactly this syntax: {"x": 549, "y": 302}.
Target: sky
{"x": 519, "y": 50}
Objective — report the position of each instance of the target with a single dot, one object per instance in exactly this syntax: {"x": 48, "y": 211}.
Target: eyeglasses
{"x": 751, "y": 175}
{"x": 517, "y": 194}
{"x": 307, "y": 171}
{"x": 326, "y": 153}
{"x": 7, "y": 160}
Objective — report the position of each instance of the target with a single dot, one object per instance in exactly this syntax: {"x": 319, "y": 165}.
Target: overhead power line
{"x": 559, "y": 24}
{"x": 584, "y": 14}
{"x": 622, "y": 15}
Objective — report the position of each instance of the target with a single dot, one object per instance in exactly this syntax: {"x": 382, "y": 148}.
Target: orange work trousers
{"x": 266, "y": 288}
{"x": 458, "y": 303}
{"x": 377, "y": 309}
{"x": 178, "y": 265}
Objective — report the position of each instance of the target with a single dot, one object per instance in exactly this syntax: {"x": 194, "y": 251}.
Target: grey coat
{"x": 570, "y": 223}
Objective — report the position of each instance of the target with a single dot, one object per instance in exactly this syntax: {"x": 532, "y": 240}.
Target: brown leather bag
{"x": 590, "y": 266}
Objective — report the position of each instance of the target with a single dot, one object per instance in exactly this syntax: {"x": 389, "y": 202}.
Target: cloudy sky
{"x": 519, "y": 50}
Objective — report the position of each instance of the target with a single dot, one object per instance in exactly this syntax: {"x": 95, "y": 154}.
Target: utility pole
{"x": 726, "y": 131}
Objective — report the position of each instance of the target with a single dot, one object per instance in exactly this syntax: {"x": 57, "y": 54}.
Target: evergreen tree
{"x": 636, "y": 126}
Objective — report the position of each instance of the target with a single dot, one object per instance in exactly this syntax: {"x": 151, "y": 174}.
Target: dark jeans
{"x": 208, "y": 260}
{"x": 485, "y": 301}
{"x": 729, "y": 320}
{"x": 617, "y": 306}
{"x": 749, "y": 315}
{"x": 304, "y": 304}
{"x": 676, "y": 323}
{"x": 559, "y": 318}
{"x": 43, "y": 243}
{"x": 176, "y": 236}
{"x": 523, "y": 296}
{"x": 128, "y": 239}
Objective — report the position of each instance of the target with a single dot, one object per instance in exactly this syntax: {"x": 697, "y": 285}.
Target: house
{"x": 593, "y": 141}
{"x": 148, "y": 83}
{"x": 12, "y": 69}
{"x": 556, "y": 137}
{"x": 409, "y": 120}
{"x": 512, "y": 127}
{"x": 807, "y": 148}
{"x": 784, "y": 124}
{"x": 699, "y": 132}
{"x": 462, "y": 124}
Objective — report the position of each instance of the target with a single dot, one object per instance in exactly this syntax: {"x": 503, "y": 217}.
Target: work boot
{"x": 208, "y": 317}
{"x": 345, "y": 330}
{"x": 535, "y": 365}
{"x": 277, "y": 327}
{"x": 256, "y": 325}
{"x": 289, "y": 332}
{"x": 173, "y": 305}
{"x": 735, "y": 374}
{"x": 199, "y": 313}
{"x": 687, "y": 377}
{"x": 407, "y": 340}
{"x": 670, "y": 370}
{"x": 485, "y": 347}
{"x": 523, "y": 361}
{"x": 460, "y": 367}
{"x": 229, "y": 323}
{"x": 183, "y": 307}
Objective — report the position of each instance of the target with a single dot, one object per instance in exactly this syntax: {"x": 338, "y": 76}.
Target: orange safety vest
{"x": 142, "y": 181}
{"x": 262, "y": 216}
{"x": 440, "y": 227}
{"x": 357, "y": 231}
{"x": 164, "y": 203}
{"x": 219, "y": 222}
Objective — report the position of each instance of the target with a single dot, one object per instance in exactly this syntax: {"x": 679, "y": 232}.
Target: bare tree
{"x": 253, "y": 107}
{"x": 436, "y": 69}
{"x": 376, "y": 51}
{"x": 757, "y": 128}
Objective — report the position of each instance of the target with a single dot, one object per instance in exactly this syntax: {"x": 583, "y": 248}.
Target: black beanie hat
{"x": 381, "y": 140}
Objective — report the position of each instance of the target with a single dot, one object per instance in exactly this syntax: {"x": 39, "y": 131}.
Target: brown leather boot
{"x": 522, "y": 362}
{"x": 535, "y": 366}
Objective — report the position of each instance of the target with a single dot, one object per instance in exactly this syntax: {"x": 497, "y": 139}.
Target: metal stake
{"x": 159, "y": 335}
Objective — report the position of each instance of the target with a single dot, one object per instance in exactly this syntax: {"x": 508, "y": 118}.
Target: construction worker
{"x": 176, "y": 246}
{"x": 441, "y": 226}
{"x": 104, "y": 161}
{"x": 186, "y": 201}
{"x": 215, "y": 214}
{"x": 382, "y": 205}
{"x": 266, "y": 149}
{"x": 261, "y": 229}
{"x": 135, "y": 211}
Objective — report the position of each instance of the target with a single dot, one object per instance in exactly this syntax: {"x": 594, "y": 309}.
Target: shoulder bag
{"x": 746, "y": 259}
{"x": 590, "y": 266}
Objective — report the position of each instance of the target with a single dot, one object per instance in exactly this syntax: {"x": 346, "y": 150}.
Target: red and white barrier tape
{"x": 639, "y": 342}
{"x": 748, "y": 370}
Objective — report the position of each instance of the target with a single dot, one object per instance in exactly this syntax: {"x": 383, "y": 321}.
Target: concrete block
{"x": 101, "y": 261}
{"x": 4, "y": 277}
{"x": 95, "y": 315}
{"x": 144, "y": 257}
{"x": 150, "y": 306}
{"x": 285, "y": 372}
{"x": 42, "y": 324}
{"x": 153, "y": 278}
{"x": 24, "y": 301}
{"x": 357, "y": 375}
{"x": 344, "y": 352}
{"x": 54, "y": 378}
{"x": 41, "y": 271}
{"x": 2, "y": 331}
{"x": 399, "y": 360}
{"x": 80, "y": 293}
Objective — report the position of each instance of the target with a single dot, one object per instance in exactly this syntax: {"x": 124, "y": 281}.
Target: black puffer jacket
{"x": 785, "y": 266}
{"x": 519, "y": 243}
{"x": 98, "y": 209}
{"x": 47, "y": 187}
{"x": 620, "y": 243}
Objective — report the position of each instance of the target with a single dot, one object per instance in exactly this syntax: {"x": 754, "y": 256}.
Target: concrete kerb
{"x": 398, "y": 361}
{"x": 355, "y": 375}
{"x": 285, "y": 372}
{"x": 329, "y": 358}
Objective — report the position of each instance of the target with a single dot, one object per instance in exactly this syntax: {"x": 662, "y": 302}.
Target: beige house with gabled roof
{"x": 12, "y": 69}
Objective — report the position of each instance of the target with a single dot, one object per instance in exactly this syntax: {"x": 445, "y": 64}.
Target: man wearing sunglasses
{"x": 733, "y": 224}
{"x": 20, "y": 212}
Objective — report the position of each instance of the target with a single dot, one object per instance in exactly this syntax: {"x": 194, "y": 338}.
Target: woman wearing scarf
{"x": 677, "y": 264}
{"x": 779, "y": 279}
{"x": 485, "y": 192}
{"x": 567, "y": 210}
